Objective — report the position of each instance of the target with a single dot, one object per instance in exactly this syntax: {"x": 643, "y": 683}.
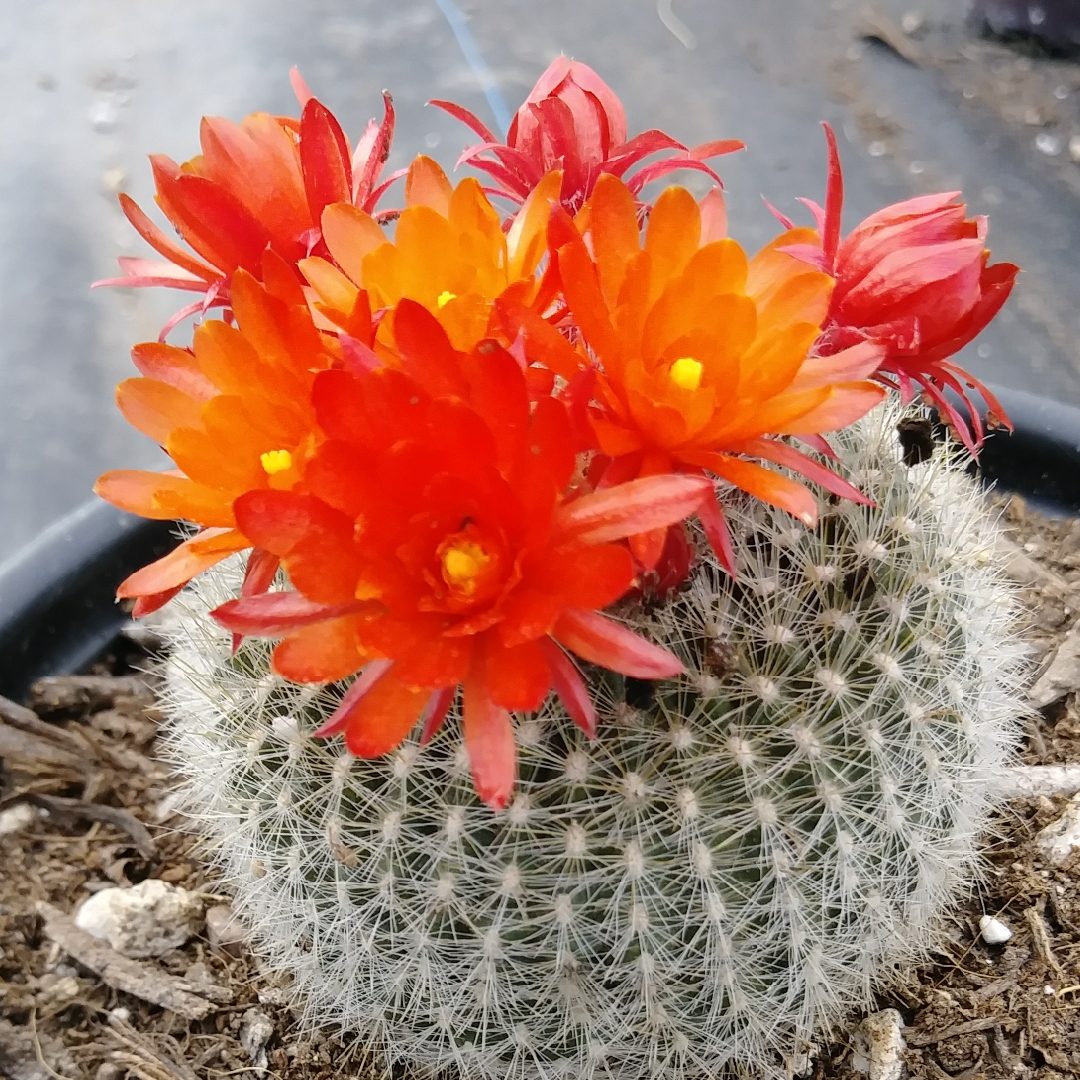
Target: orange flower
{"x": 436, "y": 543}
{"x": 449, "y": 253}
{"x": 703, "y": 355}
{"x": 574, "y": 122}
{"x": 261, "y": 183}
{"x": 233, "y": 413}
{"x": 914, "y": 277}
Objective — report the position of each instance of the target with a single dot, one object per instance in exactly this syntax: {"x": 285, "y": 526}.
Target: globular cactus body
{"x": 738, "y": 858}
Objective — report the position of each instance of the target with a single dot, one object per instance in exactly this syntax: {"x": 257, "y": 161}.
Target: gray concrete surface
{"x": 92, "y": 86}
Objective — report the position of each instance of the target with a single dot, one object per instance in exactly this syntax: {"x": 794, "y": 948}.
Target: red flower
{"x": 573, "y": 121}
{"x": 914, "y": 277}
{"x": 261, "y": 183}
{"x": 702, "y": 356}
{"x": 438, "y": 544}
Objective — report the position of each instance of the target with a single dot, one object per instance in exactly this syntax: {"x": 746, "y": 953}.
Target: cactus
{"x": 740, "y": 857}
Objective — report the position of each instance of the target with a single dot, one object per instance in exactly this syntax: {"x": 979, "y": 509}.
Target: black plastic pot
{"x": 57, "y": 610}
{"x": 1052, "y": 24}
{"x": 57, "y": 595}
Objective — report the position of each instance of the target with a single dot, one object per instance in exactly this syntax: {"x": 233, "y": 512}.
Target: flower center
{"x": 275, "y": 461}
{"x": 445, "y": 298}
{"x": 686, "y": 373}
{"x": 463, "y": 561}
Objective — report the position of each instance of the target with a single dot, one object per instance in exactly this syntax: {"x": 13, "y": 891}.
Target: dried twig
{"x": 144, "y": 1056}
{"x": 149, "y": 983}
{"x": 917, "y": 1038}
{"x": 1039, "y": 936}
{"x": 122, "y": 819}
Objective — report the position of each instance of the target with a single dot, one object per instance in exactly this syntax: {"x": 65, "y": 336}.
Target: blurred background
{"x": 927, "y": 95}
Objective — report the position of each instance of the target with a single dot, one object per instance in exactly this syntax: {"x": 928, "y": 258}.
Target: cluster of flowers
{"x": 464, "y": 439}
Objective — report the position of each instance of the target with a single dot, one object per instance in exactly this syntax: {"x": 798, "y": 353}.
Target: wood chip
{"x": 142, "y": 980}
{"x": 992, "y": 990}
{"x": 1030, "y": 781}
{"x": 1040, "y": 937}
{"x": 915, "y": 1037}
{"x": 1024, "y": 570}
{"x": 76, "y": 694}
{"x": 26, "y": 739}
{"x": 25, "y": 749}
{"x": 19, "y": 718}
{"x": 122, "y": 819}
{"x": 1062, "y": 673}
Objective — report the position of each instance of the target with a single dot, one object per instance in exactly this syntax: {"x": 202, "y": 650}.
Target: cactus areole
{"x": 590, "y": 659}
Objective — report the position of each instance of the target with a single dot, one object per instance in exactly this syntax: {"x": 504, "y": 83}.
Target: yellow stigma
{"x": 445, "y": 298}
{"x": 275, "y": 461}
{"x": 463, "y": 563}
{"x": 686, "y": 372}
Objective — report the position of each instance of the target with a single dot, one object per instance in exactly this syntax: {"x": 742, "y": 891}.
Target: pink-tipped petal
{"x": 834, "y": 201}
{"x": 434, "y": 714}
{"x": 262, "y": 566}
{"x": 650, "y": 502}
{"x": 783, "y": 454}
{"x": 299, "y": 86}
{"x": 277, "y": 614}
{"x": 470, "y": 119}
{"x": 358, "y": 357}
{"x": 780, "y": 216}
{"x": 570, "y": 686}
{"x": 489, "y": 739}
{"x": 601, "y": 640}
{"x": 717, "y": 533}
{"x": 339, "y": 718}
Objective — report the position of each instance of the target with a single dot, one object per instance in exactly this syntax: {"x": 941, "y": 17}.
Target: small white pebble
{"x": 994, "y": 931}
{"x": 16, "y": 817}
{"x": 1048, "y": 990}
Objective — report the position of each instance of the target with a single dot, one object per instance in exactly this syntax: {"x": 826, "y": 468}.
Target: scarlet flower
{"x": 234, "y": 414}
{"x": 916, "y": 278}
{"x": 449, "y": 253}
{"x": 703, "y": 355}
{"x": 437, "y": 543}
{"x": 573, "y": 121}
{"x": 261, "y": 183}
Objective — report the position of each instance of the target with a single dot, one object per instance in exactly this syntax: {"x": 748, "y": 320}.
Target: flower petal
{"x": 182, "y": 563}
{"x": 650, "y": 502}
{"x": 601, "y": 640}
{"x": 279, "y": 613}
{"x": 570, "y": 686}
{"x": 384, "y": 716}
{"x": 320, "y": 653}
{"x": 339, "y": 718}
{"x": 517, "y": 678}
{"x": 434, "y": 713}
{"x": 489, "y": 739}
